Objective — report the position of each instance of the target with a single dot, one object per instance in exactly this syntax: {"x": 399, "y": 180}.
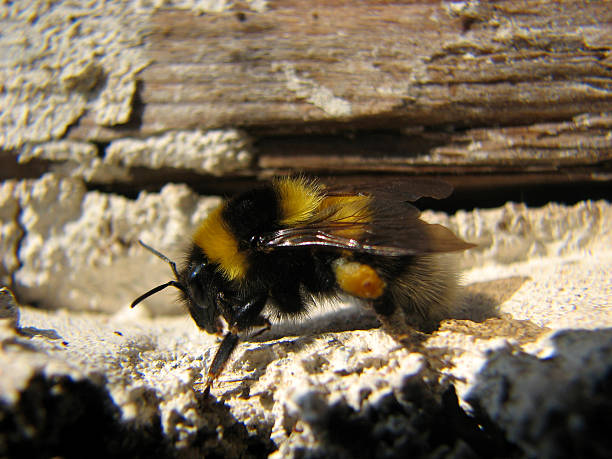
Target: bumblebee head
{"x": 202, "y": 291}
{"x": 199, "y": 285}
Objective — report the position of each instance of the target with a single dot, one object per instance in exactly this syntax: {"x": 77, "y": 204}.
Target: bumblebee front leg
{"x": 230, "y": 340}
{"x": 243, "y": 317}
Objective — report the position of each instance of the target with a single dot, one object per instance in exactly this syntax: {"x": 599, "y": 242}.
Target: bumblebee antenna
{"x": 157, "y": 289}
{"x": 172, "y": 283}
{"x": 162, "y": 256}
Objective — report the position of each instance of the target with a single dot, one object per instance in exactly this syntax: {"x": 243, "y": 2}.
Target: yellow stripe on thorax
{"x": 220, "y": 245}
{"x": 299, "y": 199}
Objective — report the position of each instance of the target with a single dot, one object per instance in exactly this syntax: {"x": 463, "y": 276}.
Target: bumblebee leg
{"x": 263, "y": 324}
{"x": 240, "y": 317}
{"x": 245, "y": 317}
{"x": 393, "y": 321}
{"x": 394, "y": 324}
{"x": 230, "y": 340}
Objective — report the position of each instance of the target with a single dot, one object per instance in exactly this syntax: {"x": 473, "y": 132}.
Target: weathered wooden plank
{"x": 301, "y": 66}
{"x": 539, "y": 147}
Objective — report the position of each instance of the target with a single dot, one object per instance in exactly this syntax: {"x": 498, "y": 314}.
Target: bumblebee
{"x": 274, "y": 251}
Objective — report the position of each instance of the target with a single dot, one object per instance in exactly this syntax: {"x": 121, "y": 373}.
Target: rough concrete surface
{"x": 214, "y": 152}
{"x": 523, "y": 369}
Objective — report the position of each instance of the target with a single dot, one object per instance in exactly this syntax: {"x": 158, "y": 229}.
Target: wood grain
{"x": 376, "y": 86}
{"x": 325, "y": 65}
{"x": 535, "y": 148}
